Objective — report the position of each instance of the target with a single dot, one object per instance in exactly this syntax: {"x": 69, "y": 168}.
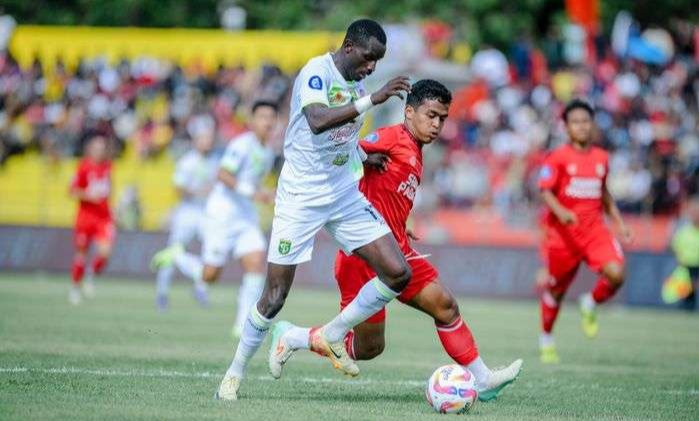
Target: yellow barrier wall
{"x": 209, "y": 47}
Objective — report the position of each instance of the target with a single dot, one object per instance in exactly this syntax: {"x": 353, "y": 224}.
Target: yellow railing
{"x": 205, "y": 47}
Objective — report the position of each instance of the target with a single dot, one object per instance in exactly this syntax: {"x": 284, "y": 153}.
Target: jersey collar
{"x": 410, "y": 135}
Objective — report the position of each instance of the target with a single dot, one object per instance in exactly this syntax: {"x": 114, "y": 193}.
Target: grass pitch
{"x": 116, "y": 358}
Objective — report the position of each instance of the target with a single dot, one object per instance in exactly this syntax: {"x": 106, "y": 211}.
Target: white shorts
{"x": 186, "y": 224}
{"x": 222, "y": 237}
{"x": 350, "y": 219}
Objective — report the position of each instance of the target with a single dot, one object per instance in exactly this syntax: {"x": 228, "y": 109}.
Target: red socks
{"x": 349, "y": 344}
{"x": 78, "y": 269}
{"x": 457, "y": 341}
{"x": 549, "y": 311}
{"x": 603, "y": 290}
{"x": 99, "y": 264}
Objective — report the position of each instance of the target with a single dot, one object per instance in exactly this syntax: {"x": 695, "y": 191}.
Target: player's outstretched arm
{"x": 564, "y": 215}
{"x": 612, "y": 210}
{"x": 321, "y": 118}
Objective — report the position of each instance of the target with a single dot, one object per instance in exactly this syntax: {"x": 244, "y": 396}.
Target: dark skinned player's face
{"x": 427, "y": 120}
{"x": 362, "y": 59}
{"x": 579, "y": 126}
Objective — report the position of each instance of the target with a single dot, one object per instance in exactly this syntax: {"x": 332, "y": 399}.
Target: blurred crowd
{"x": 152, "y": 105}
{"x": 500, "y": 127}
{"x": 502, "y": 124}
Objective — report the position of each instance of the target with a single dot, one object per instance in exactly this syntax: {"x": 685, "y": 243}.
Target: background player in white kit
{"x": 195, "y": 174}
{"x": 318, "y": 188}
{"x": 231, "y": 222}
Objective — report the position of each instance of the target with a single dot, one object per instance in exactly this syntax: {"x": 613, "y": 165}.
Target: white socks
{"x": 164, "y": 278}
{"x": 298, "y": 337}
{"x": 250, "y": 291}
{"x": 254, "y": 332}
{"x": 479, "y": 370}
{"x": 587, "y": 302}
{"x": 191, "y": 266}
{"x": 545, "y": 339}
{"x": 373, "y": 296}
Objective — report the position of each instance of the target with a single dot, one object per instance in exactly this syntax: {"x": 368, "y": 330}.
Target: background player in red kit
{"x": 573, "y": 187}
{"x": 391, "y": 191}
{"x": 92, "y": 187}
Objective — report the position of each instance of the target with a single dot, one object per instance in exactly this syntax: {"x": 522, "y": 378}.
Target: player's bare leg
{"x": 612, "y": 279}
{"x": 277, "y": 286}
{"x": 393, "y": 274}
{"x": 251, "y": 287}
{"x": 457, "y": 340}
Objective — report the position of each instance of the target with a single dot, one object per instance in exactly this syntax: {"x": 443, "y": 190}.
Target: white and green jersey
{"x": 318, "y": 168}
{"x": 195, "y": 172}
{"x": 249, "y": 161}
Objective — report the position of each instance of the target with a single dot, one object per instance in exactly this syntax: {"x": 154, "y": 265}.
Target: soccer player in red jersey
{"x": 92, "y": 186}
{"x": 392, "y": 190}
{"x": 573, "y": 188}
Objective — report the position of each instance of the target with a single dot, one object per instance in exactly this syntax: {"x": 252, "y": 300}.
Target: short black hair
{"x": 362, "y": 30}
{"x": 575, "y": 104}
{"x": 265, "y": 103}
{"x": 425, "y": 89}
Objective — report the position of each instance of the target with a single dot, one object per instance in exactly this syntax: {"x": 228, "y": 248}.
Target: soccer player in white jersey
{"x": 195, "y": 174}
{"x": 231, "y": 222}
{"x": 318, "y": 188}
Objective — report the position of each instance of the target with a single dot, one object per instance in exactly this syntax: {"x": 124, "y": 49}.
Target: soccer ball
{"x": 451, "y": 389}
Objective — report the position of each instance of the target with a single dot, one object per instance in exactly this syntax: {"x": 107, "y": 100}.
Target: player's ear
{"x": 409, "y": 112}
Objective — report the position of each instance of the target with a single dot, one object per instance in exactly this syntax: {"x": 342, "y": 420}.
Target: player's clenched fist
{"x": 393, "y": 87}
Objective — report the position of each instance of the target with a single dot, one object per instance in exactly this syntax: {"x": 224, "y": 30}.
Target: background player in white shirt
{"x": 231, "y": 223}
{"x": 195, "y": 174}
{"x": 318, "y": 188}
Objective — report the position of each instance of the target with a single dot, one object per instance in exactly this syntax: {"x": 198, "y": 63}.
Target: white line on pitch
{"x": 325, "y": 380}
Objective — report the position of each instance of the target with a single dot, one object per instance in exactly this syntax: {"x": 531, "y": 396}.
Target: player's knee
{"x": 370, "y": 349}
{"x": 615, "y": 274}
{"x": 399, "y": 275}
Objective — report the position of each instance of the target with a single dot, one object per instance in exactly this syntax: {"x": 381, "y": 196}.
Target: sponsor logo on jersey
{"x": 284, "y": 247}
{"x": 341, "y": 159}
{"x": 584, "y": 188}
{"x": 408, "y": 187}
{"x": 372, "y": 138}
{"x": 315, "y": 82}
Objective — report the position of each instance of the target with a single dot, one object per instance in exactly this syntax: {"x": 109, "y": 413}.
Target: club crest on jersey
{"x": 315, "y": 82}
{"x": 572, "y": 169}
{"x": 284, "y": 247}
{"x": 599, "y": 169}
{"x": 372, "y": 138}
{"x": 341, "y": 159}
{"x": 413, "y": 161}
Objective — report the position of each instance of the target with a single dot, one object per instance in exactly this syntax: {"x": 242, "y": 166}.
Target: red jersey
{"x": 95, "y": 178}
{"x": 392, "y": 192}
{"x": 577, "y": 179}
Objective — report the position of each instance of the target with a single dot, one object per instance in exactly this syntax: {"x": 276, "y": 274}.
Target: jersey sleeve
{"x": 377, "y": 142}
{"x": 548, "y": 173}
{"x": 182, "y": 173}
{"x": 79, "y": 179}
{"x": 233, "y": 157}
{"x": 315, "y": 82}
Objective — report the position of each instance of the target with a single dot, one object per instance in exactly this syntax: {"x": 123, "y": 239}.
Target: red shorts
{"x": 90, "y": 228}
{"x": 351, "y": 273}
{"x": 599, "y": 248}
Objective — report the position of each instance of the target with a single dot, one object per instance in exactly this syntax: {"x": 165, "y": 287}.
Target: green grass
{"x": 117, "y": 358}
